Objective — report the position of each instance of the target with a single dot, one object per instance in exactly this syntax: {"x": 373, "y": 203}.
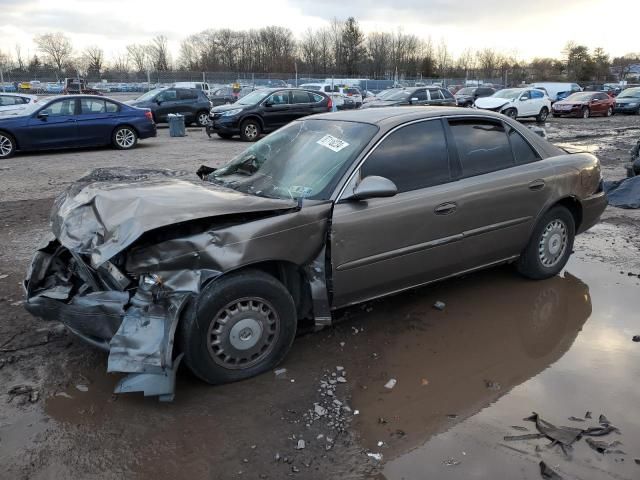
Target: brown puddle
{"x": 503, "y": 348}
{"x": 559, "y": 347}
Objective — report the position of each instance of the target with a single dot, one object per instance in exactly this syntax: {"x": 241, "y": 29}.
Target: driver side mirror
{"x": 268, "y": 103}
{"x": 373, "y": 186}
{"x": 523, "y": 99}
{"x": 43, "y": 115}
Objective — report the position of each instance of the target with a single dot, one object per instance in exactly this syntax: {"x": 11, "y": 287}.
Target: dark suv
{"x": 468, "y": 95}
{"x": 422, "y": 96}
{"x": 190, "y": 102}
{"x": 265, "y": 110}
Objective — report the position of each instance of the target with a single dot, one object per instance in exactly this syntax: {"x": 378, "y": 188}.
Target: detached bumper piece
{"x": 135, "y": 323}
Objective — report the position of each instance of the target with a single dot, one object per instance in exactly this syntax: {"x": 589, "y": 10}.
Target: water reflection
{"x": 496, "y": 332}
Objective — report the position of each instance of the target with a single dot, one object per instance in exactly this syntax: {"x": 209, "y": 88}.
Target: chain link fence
{"x": 51, "y": 81}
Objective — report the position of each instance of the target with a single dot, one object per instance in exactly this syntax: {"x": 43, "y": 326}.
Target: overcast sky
{"x": 526, "y": 29}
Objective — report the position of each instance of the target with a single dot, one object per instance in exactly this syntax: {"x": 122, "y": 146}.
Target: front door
{"x": 54, "y": 126}
{"x": 383, "y": 245}
{"x": 276, "y": 110}
{"x": 168, "y": 102}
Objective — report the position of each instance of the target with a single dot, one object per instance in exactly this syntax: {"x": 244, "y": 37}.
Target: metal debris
{"x": 390, "y": 384}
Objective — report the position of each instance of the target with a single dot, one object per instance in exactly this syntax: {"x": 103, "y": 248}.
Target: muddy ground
{"x": 466, "y": 376}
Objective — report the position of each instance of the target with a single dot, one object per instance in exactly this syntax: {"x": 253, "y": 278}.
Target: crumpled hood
{"x": 104, "y": 217}
{"x": 491, "y": 102}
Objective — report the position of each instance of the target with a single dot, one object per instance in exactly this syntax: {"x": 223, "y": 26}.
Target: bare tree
{"x": 159, "y": 53}
{"x": 19, "y": 59}
{"x": 622, "y": 65}
{"x": 56, "y": 46}
{"x": 93, "y": 57}
{"x": 120, "y": 63}
{"x": 467, "y": 62}
{"x": 138, "y": 56}
{"x": 443, "y": 58}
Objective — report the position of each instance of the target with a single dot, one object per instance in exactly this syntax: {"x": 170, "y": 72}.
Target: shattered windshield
{"x": 305, "y": 159}
{"x": 509, "y": 93}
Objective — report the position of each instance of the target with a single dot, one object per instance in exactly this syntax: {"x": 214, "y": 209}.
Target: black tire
{"x": 219, "y": 309}
{"x": 531, "y": 263}
{"x": 250, "y": 130}
{"x": 542, "y": 116}
{"x": 512, "y": 113}
{"x": 124, "y": 138}
{"x": 586, "y": 113}
{"x": 226, "y": 136}
{"x": 7, "y": 146}
{"x": 202, "y": 118}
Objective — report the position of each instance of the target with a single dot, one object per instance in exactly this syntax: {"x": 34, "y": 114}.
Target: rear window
{"x": 522, "y": 151}
{"x": 482, "y": 145}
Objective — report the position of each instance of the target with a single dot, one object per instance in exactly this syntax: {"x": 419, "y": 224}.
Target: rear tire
{"x": 586, "y": 113}
{"x": 202, "y": 118}
{"x": 609, "y": 112}
{"x": 250, "y": 130}
{"x": 542, "y": 116}
{"x": 240, "y": 326}
{"x": 7, "y": 146}
{"x": 550, "y": 245}
{"x": 124, "y": 138}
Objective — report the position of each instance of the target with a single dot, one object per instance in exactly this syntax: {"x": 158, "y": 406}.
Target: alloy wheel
{"x": 251, "y": 131}
{"x": 203, "y": 119}
{"x": 6, "y": 146}
{"x": 125, "y": 138}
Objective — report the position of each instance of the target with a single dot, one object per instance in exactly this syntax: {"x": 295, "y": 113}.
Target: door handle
{"x": 537, "y": 185}
{"x": 70, "y": 120}
{"x": 445, "y": 208}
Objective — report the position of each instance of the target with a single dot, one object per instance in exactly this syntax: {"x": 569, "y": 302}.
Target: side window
{"x": 327, "y": 88}
{"x": 91, "y": 105}
{"x": 412, "y": 157}
{"x": 522, "y": 151}
{"x": 167, "y": 95}
{"x": 525, "y": 96}
{"x": 482, "y": 145}
{"x": 190, "y": 94}
{"x": 112, "y": 107}
{"x": 280, "y": 98}
{"x": 575, "y": 87}
{"x": 300, "y": 96}
{"x": 537, "y": 94}
{"x": 446, "y": 94}
{"x": 436, "y": 95}
{"x": 603, "y": 96}
{"x": 61, "y": 107}
{"x": 421, "y": 95}
{"x": 316, "y": 97}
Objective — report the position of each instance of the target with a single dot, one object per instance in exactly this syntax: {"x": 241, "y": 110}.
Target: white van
{"x": 557, "y": 90}
{"x": 197, "y": 85}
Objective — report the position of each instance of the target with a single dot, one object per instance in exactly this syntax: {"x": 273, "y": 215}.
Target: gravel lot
{"x": 503, "y": 347}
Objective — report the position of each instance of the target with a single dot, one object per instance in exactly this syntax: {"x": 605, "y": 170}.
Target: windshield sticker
{"x": 332, "y": 143}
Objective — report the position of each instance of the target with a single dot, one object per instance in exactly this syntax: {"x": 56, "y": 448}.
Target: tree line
{"x": 342, "y": 48}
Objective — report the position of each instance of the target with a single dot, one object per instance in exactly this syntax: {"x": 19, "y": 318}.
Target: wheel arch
{"x": 125, "y": 124}
{"x": 572, "y": 204}
{"x": 13, "y": 137}
{"x": 255, "y": 117}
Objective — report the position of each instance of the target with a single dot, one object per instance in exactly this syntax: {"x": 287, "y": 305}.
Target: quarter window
{"x": 522, "y": 151}
{"x": 112, "y": 107}
{"x": 316, "y": 97}
{"x": 482, "y": 146}
{"x": 412, "y": 157}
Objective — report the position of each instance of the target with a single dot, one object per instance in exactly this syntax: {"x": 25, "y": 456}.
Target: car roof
{"x": 9, "y": 94}
{"x": 397, "y": 115}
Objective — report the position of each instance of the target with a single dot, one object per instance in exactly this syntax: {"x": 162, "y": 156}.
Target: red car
{"x": 584, "y": 104}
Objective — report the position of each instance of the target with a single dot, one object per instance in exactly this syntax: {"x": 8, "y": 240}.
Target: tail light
{"x": 330, "y": 104}
{"x": 149, "y": 115}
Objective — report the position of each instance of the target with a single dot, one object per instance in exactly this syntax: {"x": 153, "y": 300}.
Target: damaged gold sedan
{"x": 329, "y": 211}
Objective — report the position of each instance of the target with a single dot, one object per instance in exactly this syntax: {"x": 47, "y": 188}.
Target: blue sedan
{"x": 72, "y": 121}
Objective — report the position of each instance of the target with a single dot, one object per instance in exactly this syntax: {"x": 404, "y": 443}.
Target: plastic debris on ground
{"x": 548, "y": 473}
{"x": 390, "y": 384}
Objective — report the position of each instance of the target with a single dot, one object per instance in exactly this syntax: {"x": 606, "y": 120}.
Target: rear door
{"x": 277, "y": 110}
{"x": 383, "y": 245}
{"x": 187, "y": 103}
{"x": 301, "y": 104}
{"x": 57, "y": 129}
{"x": 96, "y": 121}
{"x": 502, "y": 188}
{"x": 538, "y": 101}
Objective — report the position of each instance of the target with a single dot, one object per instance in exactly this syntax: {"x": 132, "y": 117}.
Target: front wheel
{"x": 250, "y": 130}
{"x": 240, "y": 326}
{"x": 511, "y": 113}
{"x": 550, "y": 245}
{"x": 7, "y": 145}
{"x": 542, "y": 116}
{"x": 609, "y": 111}
{"x": 586, "y": 113}
{"x": 124, "y": 138}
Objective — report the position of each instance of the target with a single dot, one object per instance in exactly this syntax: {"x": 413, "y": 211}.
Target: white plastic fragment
{"x": 390, "y": 384}
{"x": 375, "y": 456}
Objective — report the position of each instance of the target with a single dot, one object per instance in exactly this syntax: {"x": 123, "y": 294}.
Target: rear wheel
{"x": 202, "y": 118}
{"x": 586, "y": 113}
{"x": 124, "y": 138}
{"x": 250, "y": 130}
{"x": 240, "y": 326}
{"x": 550, "y": 245}
{"x": 609, "y": 111}
{"x": 542, "y": 116}
{"x": 7, "y": 145}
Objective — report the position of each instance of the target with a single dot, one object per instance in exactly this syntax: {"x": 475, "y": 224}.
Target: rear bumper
{"x": 592, "y": 208}
{"x": 147, "y": 130}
